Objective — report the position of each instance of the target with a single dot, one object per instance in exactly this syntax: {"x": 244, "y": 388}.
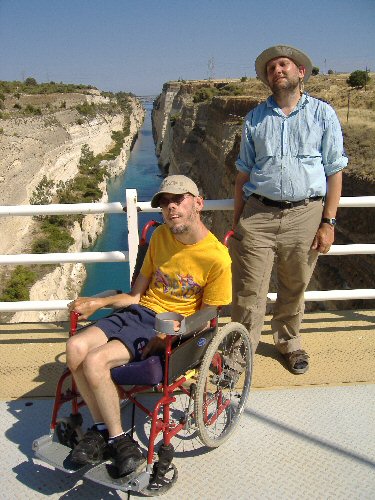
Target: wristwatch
{"x": 328, "y": 220}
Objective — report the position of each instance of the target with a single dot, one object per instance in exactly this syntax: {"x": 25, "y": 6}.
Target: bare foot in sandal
{"x": 297, "y": 361}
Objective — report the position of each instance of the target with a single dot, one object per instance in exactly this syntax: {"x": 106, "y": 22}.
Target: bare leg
{"x": 96, "y": 368}
{"x": 77, "y": 349}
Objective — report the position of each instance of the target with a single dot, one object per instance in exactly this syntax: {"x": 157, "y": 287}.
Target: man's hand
{"x": 155, "y": 346}
{"x": 324, "y": 238}
{"x": 85, "y": 306}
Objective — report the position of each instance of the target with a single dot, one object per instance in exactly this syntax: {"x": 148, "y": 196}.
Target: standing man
{"x": 185, "y": 269}
{"x": 287, "y": 191}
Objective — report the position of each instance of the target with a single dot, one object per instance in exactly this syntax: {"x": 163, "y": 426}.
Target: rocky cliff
{"x": 50, "y": 145}
{"x": 197, "y": 132}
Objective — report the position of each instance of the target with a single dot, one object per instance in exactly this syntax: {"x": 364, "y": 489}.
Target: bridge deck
{"x": 306, "y": 436}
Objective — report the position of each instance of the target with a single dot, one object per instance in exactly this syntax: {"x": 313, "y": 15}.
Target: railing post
{"x": 133, "y": 237}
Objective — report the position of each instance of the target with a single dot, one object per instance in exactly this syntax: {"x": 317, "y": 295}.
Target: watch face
{"x": 328, "y": 220}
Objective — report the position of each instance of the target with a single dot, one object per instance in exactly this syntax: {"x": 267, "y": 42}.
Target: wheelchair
{"x": 201, "y": 384}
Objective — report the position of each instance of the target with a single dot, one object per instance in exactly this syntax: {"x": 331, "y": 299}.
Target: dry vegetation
{"x": 358, "y": 125}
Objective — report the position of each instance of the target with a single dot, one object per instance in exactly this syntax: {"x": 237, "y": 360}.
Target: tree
{"x": 315, "y": 71}
{"x": 331, "y": 72}
{"x": 358, "y": 79}
{"x": 30, "y": 81}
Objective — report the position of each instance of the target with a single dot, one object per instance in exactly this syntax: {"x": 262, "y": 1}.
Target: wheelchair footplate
{"x": 105, "y": 474}
{"x": 56, "y": 454}
{"x": 152, "y": 480}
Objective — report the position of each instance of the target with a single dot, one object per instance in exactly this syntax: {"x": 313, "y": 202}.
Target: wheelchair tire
{"x": 68, "y": 430}
{"x": 223, "y": 384}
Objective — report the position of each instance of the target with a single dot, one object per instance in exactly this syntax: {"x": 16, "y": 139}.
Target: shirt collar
{"x": 271, "y": 103}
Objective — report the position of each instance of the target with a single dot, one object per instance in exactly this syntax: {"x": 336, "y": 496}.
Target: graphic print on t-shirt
{"x": 182, "y": 286}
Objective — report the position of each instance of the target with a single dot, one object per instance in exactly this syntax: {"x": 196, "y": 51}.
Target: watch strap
{"x": 329, "y": 220}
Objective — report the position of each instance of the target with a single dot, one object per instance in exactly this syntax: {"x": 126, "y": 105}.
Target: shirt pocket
{"x": 310, "y": 141}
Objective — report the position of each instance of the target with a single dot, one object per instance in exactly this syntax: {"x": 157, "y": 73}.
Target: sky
{"x": 138, "y": 45}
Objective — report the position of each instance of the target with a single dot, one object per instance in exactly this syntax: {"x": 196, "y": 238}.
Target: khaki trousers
{"x": 266, "y": 234}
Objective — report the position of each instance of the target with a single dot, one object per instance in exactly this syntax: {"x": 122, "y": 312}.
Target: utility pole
{"x": 347, "y": 115}
{"x": 367, "y": 71}
{"x": 211, "y": 68}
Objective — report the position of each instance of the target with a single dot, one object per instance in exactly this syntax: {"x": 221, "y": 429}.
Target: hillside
{"x": 58, "y": 144}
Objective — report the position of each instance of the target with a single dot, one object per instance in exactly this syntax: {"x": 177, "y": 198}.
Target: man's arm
{"x": 239, "y": 202}
{"x": 86, "y": 306}
{"x": 326, "y": 233}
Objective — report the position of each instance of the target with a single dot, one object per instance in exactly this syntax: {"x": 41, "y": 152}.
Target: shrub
{"x": 87, "y": 109}
{"x": 55, "y": 239}
{"x": 30, "y": 81}
{"x": 17, "y": 106}
{"x": 243, "y": 78}
{"x": 31, "y": 110}
{"x": 315, "y": 71}
{"x": 42, "y": 194}
{"x": 18, "y": 287}
{"x": 204, "y": 94}
{"x": 358, "y": 79}
{"x": 174, "y": 118}
{"x": 331, "y": 72}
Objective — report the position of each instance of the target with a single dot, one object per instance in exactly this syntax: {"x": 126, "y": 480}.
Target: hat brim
{"x": 296, "y": 55}
{"x": 156, "y": 197}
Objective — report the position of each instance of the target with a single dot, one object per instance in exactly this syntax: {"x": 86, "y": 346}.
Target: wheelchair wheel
{"x": 223, "y": 384}
{"x": 69, "y": 431}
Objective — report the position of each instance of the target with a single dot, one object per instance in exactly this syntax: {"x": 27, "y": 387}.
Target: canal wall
{"x": 32, "y": 149}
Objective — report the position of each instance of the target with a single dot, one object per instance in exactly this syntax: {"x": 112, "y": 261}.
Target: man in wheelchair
{"x": 185, "y": 269}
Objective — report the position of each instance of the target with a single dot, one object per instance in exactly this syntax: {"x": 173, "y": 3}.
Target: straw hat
{"x": 296, "y": 55}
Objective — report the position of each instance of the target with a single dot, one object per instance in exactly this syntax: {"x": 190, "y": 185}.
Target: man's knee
{"x": 76, "y": 351}
{"x": 96, "y": 367}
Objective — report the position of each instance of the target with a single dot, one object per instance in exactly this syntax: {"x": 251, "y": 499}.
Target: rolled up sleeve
{"x": 333, "y": 154}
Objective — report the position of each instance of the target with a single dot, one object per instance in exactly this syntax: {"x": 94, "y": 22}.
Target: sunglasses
{"x": 176, "y": 199}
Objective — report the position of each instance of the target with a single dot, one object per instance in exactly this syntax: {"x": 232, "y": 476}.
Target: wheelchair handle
{"x": 227, "y": 236}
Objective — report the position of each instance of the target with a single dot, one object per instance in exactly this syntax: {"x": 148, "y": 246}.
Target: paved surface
{"x": 309, "y": 436}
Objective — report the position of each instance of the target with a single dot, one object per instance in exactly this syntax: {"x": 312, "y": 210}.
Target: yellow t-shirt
{"x": 183, "y": 276}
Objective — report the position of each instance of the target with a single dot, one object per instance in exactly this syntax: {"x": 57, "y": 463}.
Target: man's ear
{"x": 301, "y": 71}
{"x": 199, "y": 203}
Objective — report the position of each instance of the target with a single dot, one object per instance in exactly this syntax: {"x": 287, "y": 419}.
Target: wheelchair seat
{"x": 146, "y": 372}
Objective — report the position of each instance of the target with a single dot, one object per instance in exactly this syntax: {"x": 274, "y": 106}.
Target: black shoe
{"x": 91, "y": 449}
{"x": 127, "y": 455}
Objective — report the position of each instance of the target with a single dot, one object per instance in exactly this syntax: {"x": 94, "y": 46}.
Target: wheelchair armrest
{"x": 164, "y": 322}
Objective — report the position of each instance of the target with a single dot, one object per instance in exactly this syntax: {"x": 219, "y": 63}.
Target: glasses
{"x": 177, "y": 199}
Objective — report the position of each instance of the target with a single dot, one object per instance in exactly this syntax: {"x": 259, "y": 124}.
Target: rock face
{"x": 50, "y": 145}
{"x": 202, "y": 140}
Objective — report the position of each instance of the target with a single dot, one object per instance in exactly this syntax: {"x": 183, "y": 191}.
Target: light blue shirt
{"x": 290, "y": 157}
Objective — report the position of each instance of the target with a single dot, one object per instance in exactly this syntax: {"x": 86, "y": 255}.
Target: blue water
{"x": 142, "y": 174}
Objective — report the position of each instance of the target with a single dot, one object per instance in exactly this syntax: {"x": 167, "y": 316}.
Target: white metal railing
{"x": 131, "y": 208}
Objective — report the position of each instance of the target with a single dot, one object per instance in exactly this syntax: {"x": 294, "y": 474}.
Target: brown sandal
{"x": 297, "y": 361}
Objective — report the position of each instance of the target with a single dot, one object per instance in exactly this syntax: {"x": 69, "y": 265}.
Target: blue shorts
{"x": 133, "y": 326}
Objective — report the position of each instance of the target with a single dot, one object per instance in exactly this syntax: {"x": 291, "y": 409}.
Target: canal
{"x": 142, "y": 173}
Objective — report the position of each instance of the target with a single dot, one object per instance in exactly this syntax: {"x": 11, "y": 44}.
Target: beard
{"x": 286, "y": 85}
{"x": 185, "y": 227}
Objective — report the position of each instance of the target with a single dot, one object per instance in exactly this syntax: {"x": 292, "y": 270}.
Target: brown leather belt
{"x": 285, "y": 204}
